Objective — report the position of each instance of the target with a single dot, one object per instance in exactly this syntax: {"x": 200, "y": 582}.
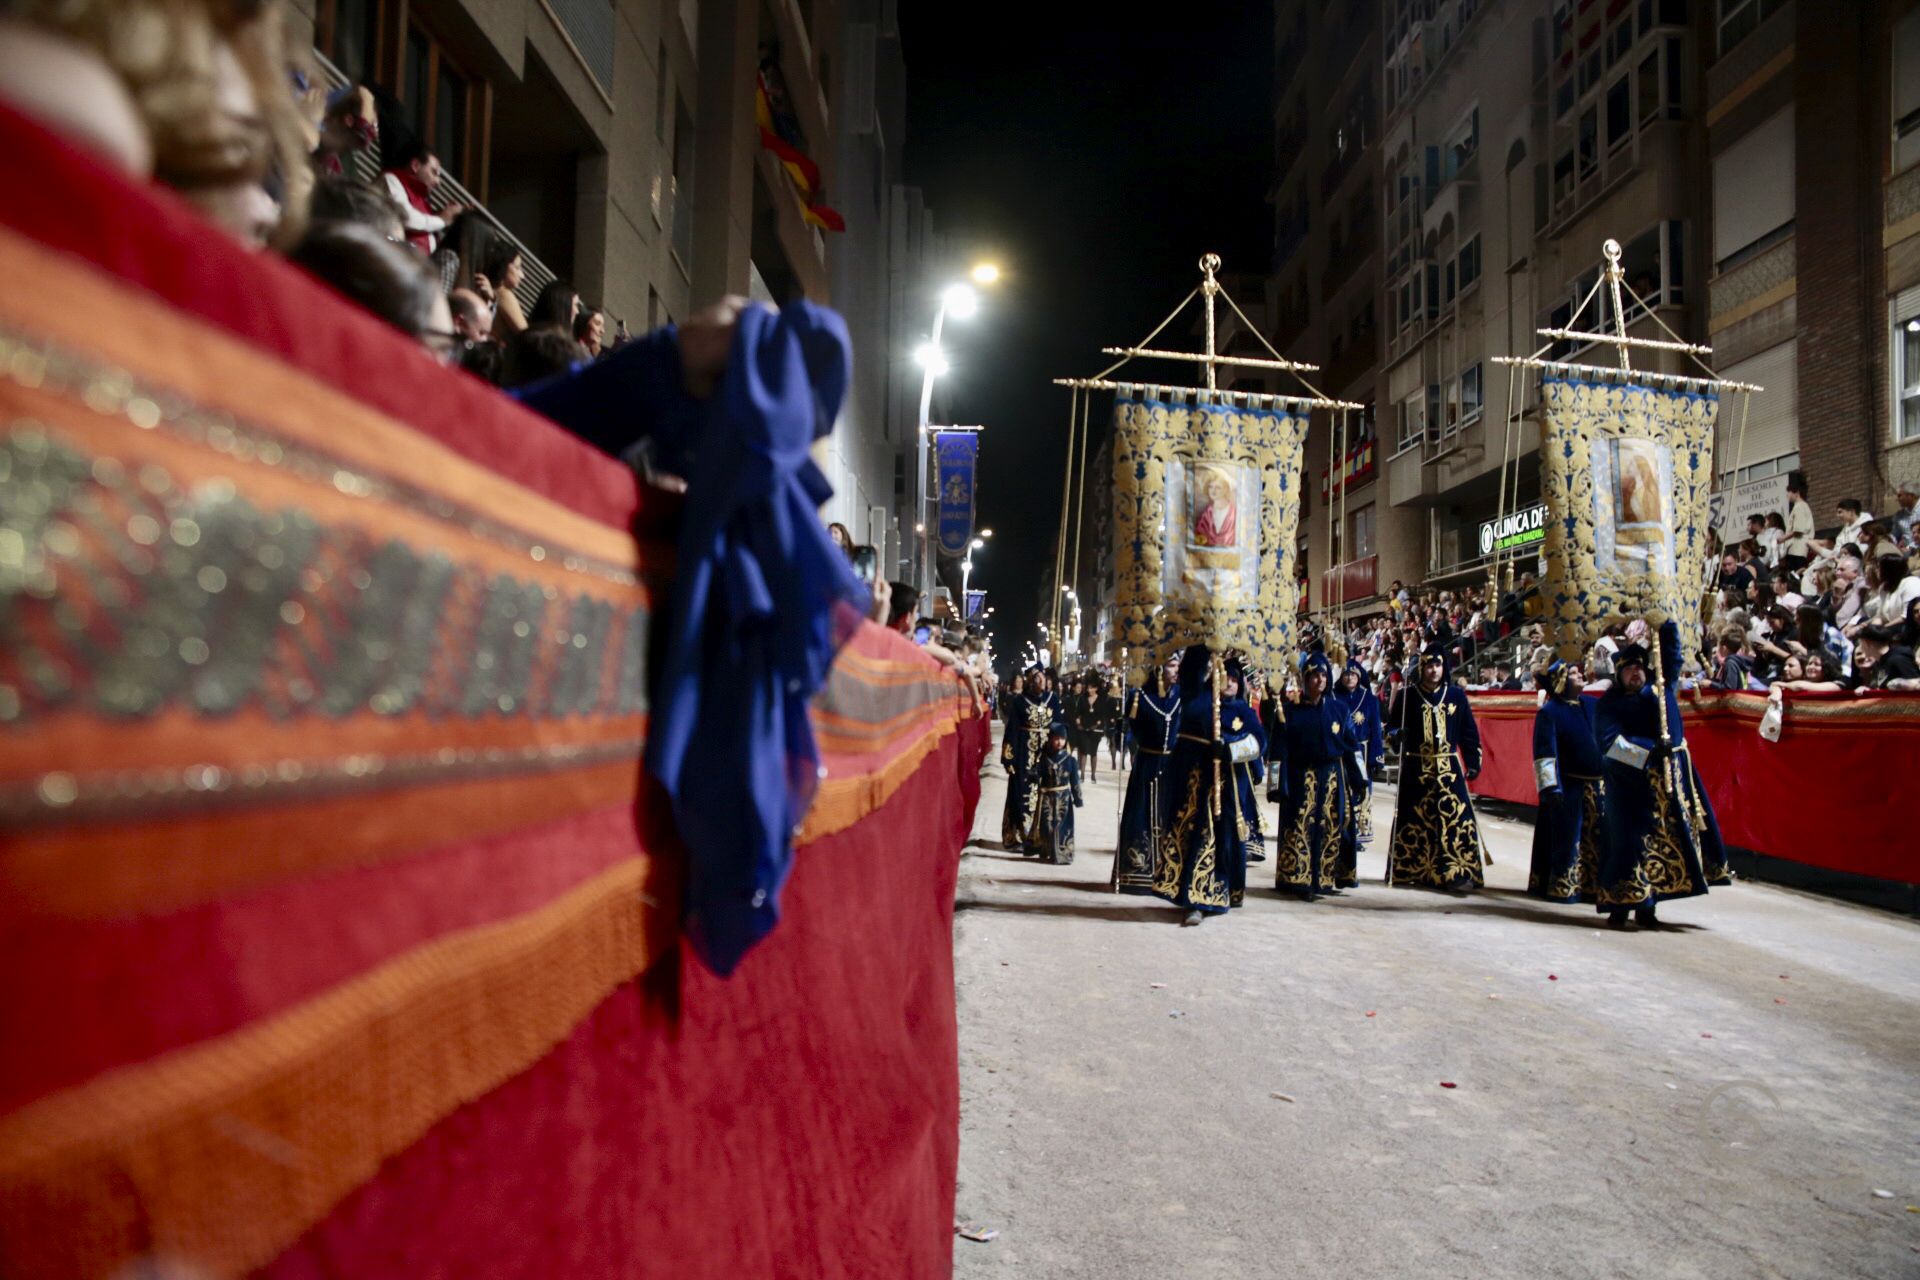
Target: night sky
{"x": 1095, "y": 156}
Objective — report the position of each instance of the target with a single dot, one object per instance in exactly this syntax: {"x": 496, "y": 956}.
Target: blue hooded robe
{"x": 1569, "y": 832}
{"x": 1153, "y": 725}
{"x": 1436, "y": 839}
{"x": 1203, "y": 859}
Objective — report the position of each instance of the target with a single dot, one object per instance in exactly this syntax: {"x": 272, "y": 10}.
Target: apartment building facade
{"x": 1741, "y": 151}
{"x": 1812, "y": 115}
{"x": 618, "y": 141}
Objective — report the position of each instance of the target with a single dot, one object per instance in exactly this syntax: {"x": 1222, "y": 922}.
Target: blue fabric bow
{"x": 762, "y": 599}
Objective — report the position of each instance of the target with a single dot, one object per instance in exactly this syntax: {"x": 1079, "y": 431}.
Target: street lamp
{"x": 964, "y": 303}
{"x": 966, "y": 574}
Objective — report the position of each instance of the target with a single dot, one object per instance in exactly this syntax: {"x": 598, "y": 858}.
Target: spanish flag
{"x": 799, "y": 166}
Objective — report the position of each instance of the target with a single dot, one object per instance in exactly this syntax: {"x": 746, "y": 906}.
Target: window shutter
{"x": 1773, "y": 423}
{"x": 1753, "y": 186}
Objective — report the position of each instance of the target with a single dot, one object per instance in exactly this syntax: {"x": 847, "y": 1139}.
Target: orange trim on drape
{"x": 156, "y": 344}
{"x": 222, "y": 1154}
{"x": 104, "y": 870}
{"x": 841, "y": 802}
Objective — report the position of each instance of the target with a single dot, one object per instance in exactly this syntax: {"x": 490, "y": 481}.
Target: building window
{"x": 1463, "y": 143}
{"x": 437, "y": 99}
{"x": 1906, "y": 91}
{"x": 1741, "y": 18}
{"x": 1906, "y": 379}
{"x": 1753, "y": 198}
{"x": 1469, "y": 263}
{"x": 1471, "y": 402}
{"x": 1647, "y": 84}
{"x": 1619, "y": 41}
{"x": 1589, "y": 143}
{"x": 1362, "y": 538}
{"x": 1563, "y": 176}
{"x": 1619, "y": 114}
{"x": 1412, "y": 421}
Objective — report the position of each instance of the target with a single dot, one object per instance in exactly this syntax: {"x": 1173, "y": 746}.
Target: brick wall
{"x": 1840, "y": 127}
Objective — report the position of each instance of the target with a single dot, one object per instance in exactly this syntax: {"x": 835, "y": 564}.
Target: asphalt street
{"x": 1398, "y": 1083}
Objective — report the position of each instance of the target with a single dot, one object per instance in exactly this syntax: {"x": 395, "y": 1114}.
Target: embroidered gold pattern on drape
{"x": 1584, "y": 590}
{"x": 1154, "y": 440}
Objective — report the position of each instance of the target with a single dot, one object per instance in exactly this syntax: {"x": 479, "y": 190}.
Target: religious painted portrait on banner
{"x": 1216, "y": 505}
{"x": 1632, "y": 484}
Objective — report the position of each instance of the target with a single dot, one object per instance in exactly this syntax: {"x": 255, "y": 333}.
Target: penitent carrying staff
{"x": 1436, "y": 839}
{"x": 1662, "y": 838}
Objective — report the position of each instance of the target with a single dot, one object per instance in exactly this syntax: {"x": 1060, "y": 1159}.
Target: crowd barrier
{"x": 338, "y": 923}
{"x": 1825, "y": 795}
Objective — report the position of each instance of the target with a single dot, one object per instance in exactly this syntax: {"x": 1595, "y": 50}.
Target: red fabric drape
{"x": 797, "y": 1120}
{"x": 1800, "y": 798}
{"x": 800, "y": 1119}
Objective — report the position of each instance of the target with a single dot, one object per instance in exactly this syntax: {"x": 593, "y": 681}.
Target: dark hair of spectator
{"x": 338, "y": 198}
{"x": 470, "y": 239}
{"x": 1877, "y": 634}
{"x": 1849, "y": 504}
{"x": 1797, "y": 483}
{"x": 1892, "y": 569}
{"x": 411, "y": 152}
{"x": 539, "y": 351}
{"x": 499, "y": 254}
{"x": 1775, "y": 520}
{"x": 1812, "y": 625}
{"x": 903, "y": 600}
{"x": 583, "y": 322}
{"x": 554, "y": 306}
{"x": 388, "y": 279}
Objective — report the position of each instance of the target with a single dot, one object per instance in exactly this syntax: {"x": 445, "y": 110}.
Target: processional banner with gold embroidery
{"x": 1626, "y": 471}
{"x": 1206, "y": 508}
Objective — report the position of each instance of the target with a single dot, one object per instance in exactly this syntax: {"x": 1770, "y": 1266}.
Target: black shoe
{"x": 1644, "y": 917}
{"x": 1617, "y": 918}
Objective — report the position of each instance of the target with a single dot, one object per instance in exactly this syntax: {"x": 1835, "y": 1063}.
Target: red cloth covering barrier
{"x": 1770, "y": 797}
{"x": 312, "y": 969}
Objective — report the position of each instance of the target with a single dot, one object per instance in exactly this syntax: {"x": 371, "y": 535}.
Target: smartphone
{"x": 922, "y": 634}
{"x": 866, "y": 564}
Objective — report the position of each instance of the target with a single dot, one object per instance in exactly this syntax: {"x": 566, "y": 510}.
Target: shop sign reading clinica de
{"x": 1518, "y": 529}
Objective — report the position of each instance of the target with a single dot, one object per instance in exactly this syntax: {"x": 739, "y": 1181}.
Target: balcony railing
{"x": 1350, "y": 582}
{"x": 535, "y": 275}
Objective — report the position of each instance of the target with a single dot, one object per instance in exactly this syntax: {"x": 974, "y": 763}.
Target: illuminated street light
{"x": 932, "y": 359}
{"x": 963, "y": 302}
{"x": 986, "y": 273}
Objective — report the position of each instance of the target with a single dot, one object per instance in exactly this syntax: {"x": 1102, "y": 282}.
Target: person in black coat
{"x": 1569, "y": 834}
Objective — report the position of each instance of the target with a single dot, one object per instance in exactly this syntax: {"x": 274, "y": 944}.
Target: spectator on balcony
{"x": 502, "y": 270}
{"x": 1504, "y": 678}
{"x": 1895, "y": 589}
{"x": 344, "y": 199}
{"x": 462, "y": 248}
{"x": 1876, "y": 541}
{"x": 539, "y": 351}
{"x": 557, "y": 304}
{"x": 1815, "y": 635}
{"x": 411, "y": 180}
{"x": 1849, "y": 594}
{"x": 1853, "y": 522}
{"x": 590, "y": 330}
{"x": 1757, "y": 535}
{"x": 386, "y": 279}
{"x": 1797, "y": 546}
{"x": 1772, "y": 648}
{"x": 1733, "y": 665}
{"x": 1900, "y": 523}
{"x": 1881, "y": 664}
{"x": 350, "y": 123}
{"x": 1785, "y": 583}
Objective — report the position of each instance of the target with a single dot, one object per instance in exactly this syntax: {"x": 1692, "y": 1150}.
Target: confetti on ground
{"x": 1778, "y": 1000}
{"x": 1672, "y": 1085}
{"x": 974, "y": 1231}
{"x": 1553, "y": 977}
{"x": 1878, "y": 1194}
{"x": 1706, "y": 1035}
{"x": 1176, "y": 1014}
{"x": 1283, "y": 1097}
{"x": 1157, "y": 986}
{"x": 1491, "y": 996}
{"x": 1448, "y": 1084}
{"x": 1370, "y": 1013}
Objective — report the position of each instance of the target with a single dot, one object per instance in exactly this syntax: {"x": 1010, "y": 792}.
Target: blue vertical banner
{"x": 954, "y": 455}
{"x": 976, "y": 601}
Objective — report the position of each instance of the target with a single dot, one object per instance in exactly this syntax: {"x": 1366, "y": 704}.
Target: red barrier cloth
{"x": 420, "y": 1011}
{"x": 1770, "y": 797}
{"x": 799, "y": 1119}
